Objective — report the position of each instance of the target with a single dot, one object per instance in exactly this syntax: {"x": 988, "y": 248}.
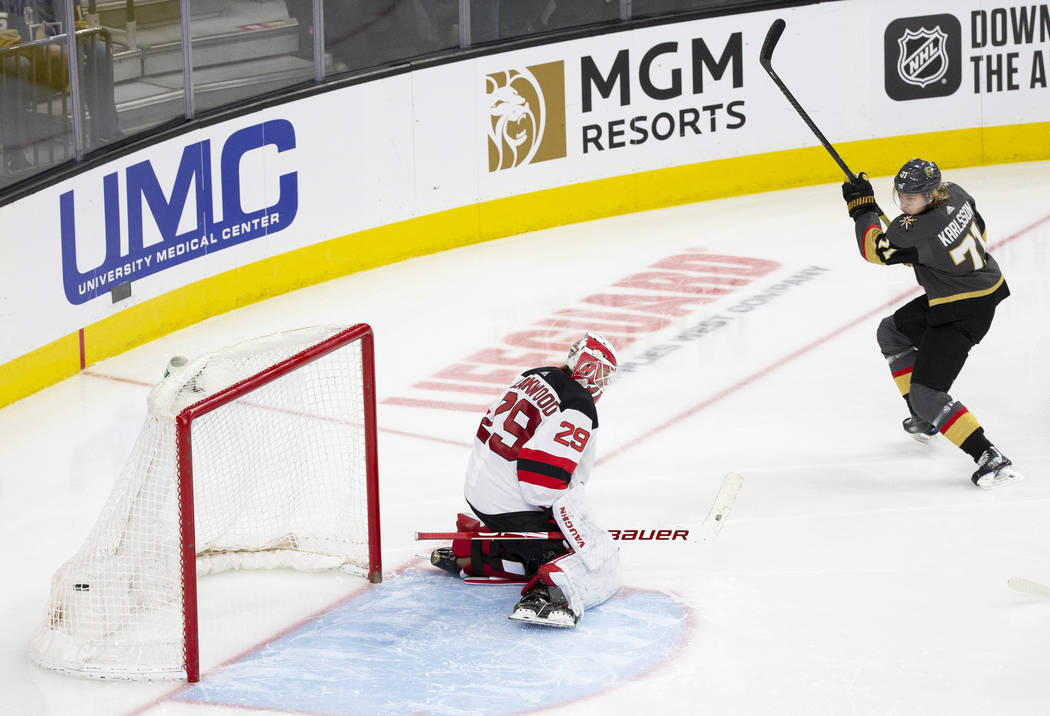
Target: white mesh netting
{"x": 279, "y": 480}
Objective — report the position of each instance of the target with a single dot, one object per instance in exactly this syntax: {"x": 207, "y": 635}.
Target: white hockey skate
{"x": 994, "y": 470}
{"x": 544, "y": 605}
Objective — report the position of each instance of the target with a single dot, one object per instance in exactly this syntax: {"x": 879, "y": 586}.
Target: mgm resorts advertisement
{"x": 695, "y": 92}
{"x": 684, "y": 93}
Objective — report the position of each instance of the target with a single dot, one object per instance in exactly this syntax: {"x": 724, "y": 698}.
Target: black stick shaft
{"x": 765, "y": 59}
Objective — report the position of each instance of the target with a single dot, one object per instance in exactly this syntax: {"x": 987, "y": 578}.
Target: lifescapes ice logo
{"x": 923, "y": 57}
{"x": 166, "y": 228}
{"x": 526, "y": 115}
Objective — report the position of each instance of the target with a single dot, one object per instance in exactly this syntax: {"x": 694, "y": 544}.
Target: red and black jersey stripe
{"x": 540, "y": 468}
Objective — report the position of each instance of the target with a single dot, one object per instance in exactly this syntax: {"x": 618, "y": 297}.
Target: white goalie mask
{"x": 592, "y": 363}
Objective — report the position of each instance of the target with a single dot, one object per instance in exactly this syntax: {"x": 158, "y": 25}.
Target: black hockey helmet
{"x": 918, "y": 176}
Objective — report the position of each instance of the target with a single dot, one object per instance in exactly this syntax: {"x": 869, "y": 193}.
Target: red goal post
{"x": 260, "y": 455}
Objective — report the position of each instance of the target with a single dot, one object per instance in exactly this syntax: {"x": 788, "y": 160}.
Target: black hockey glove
{"x": 859, "y": 196}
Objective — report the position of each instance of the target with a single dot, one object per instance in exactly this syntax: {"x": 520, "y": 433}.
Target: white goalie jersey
{"x": 534, "y": 443}
{"x": 533, "y": 453}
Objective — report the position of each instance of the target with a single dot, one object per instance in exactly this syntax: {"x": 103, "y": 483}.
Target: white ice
{"x": 859, "y": 573}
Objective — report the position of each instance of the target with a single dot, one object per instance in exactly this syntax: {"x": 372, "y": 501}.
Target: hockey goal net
{"x": 262, "y": 455}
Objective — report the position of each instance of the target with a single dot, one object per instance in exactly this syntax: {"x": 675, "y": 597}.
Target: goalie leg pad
{"x": 488, "y": 560}
{"x": 591, "y": 573}
{"x": 589, "y": 541}
{"x": 583, "y": 587}
{"x": 466, "y": 523}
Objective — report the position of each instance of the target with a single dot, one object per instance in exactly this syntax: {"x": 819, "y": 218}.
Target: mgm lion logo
{"x": 526, "y": 115}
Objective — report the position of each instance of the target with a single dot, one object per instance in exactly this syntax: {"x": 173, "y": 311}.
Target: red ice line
{"x": 685, "y": 414}
{"x": 780, "y": 362}
{"x": 692, "y": 411}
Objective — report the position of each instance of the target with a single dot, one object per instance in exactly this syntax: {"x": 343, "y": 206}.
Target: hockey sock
{"x": 900, "y": 369}
{"x": 976, "y": 444}
{"x": 962, "y": 429}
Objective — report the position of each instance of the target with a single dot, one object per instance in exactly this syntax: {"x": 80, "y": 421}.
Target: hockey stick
{"x": 724, "y": 501}
{"x": 1027, "y": 586}
{"x": 765, "y": 58}
{"x": 711, "y": 526}
{"x": 423, "y": 536}
{"x": 665, "y": 534}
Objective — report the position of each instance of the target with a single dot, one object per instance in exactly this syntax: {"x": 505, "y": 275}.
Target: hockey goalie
{"x": 530, "y": 462}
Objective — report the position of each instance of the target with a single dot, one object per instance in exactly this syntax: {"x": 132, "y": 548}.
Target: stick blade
{"x": 770, "y": 43}
{"x": 724, "y": 501}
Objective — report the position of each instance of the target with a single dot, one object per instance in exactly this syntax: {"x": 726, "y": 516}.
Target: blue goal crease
{"x": 424, "y": 643}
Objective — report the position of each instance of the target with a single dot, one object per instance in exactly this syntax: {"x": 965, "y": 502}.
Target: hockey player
{"x": 530, "y": 461}
{"x": 926, "y": 341}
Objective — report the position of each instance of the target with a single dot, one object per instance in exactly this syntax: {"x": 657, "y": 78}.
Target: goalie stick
{"x": 709, "y": 528}
{"x": 1020, "y": 584}
{"x": 724, "y": 501}
{"x": 665, "y": 534}
{"x": 422, "y": 536}
{"x": 765, "y": 58}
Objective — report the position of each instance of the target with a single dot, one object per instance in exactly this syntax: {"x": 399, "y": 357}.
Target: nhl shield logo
{"x": 921, "y": 62}
{"x": 923, "y": 57}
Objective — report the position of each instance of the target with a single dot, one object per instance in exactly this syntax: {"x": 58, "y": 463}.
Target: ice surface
{"x": 859, "y": 573}
{"x": 426, "y": 643}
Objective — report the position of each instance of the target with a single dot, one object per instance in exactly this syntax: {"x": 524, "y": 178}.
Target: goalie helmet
{"x": 592, "y": 363}
{"x": 918, "y": 176}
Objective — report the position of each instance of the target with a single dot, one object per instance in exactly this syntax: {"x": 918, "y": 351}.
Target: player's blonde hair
{"x": 938, "y": 196}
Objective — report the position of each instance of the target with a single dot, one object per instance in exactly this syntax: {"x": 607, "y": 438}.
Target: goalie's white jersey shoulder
{"x": 533, "y": 443}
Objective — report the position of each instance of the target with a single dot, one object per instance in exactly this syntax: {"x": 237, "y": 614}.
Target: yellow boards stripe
{"x": 509, "y": 216}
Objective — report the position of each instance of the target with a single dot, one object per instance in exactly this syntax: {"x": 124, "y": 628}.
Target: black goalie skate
{"x": 544, "y": 605}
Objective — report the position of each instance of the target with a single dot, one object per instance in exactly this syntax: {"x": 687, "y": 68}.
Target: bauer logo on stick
{"x": 526, "y": 121}
{"x": 923, "y": 57}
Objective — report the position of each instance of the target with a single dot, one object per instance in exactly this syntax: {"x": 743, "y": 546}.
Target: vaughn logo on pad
{"x": 923, "y": 57}
{"x": 526, "y": 121}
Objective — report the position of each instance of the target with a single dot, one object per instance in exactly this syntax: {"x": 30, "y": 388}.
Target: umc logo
{"x": 172, "y": 219}
{"x": 526, "y": 121}
{"x": 923, "y": 57}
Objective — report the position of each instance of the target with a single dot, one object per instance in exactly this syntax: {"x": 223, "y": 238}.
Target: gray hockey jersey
{"x": 947, "y": 248}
